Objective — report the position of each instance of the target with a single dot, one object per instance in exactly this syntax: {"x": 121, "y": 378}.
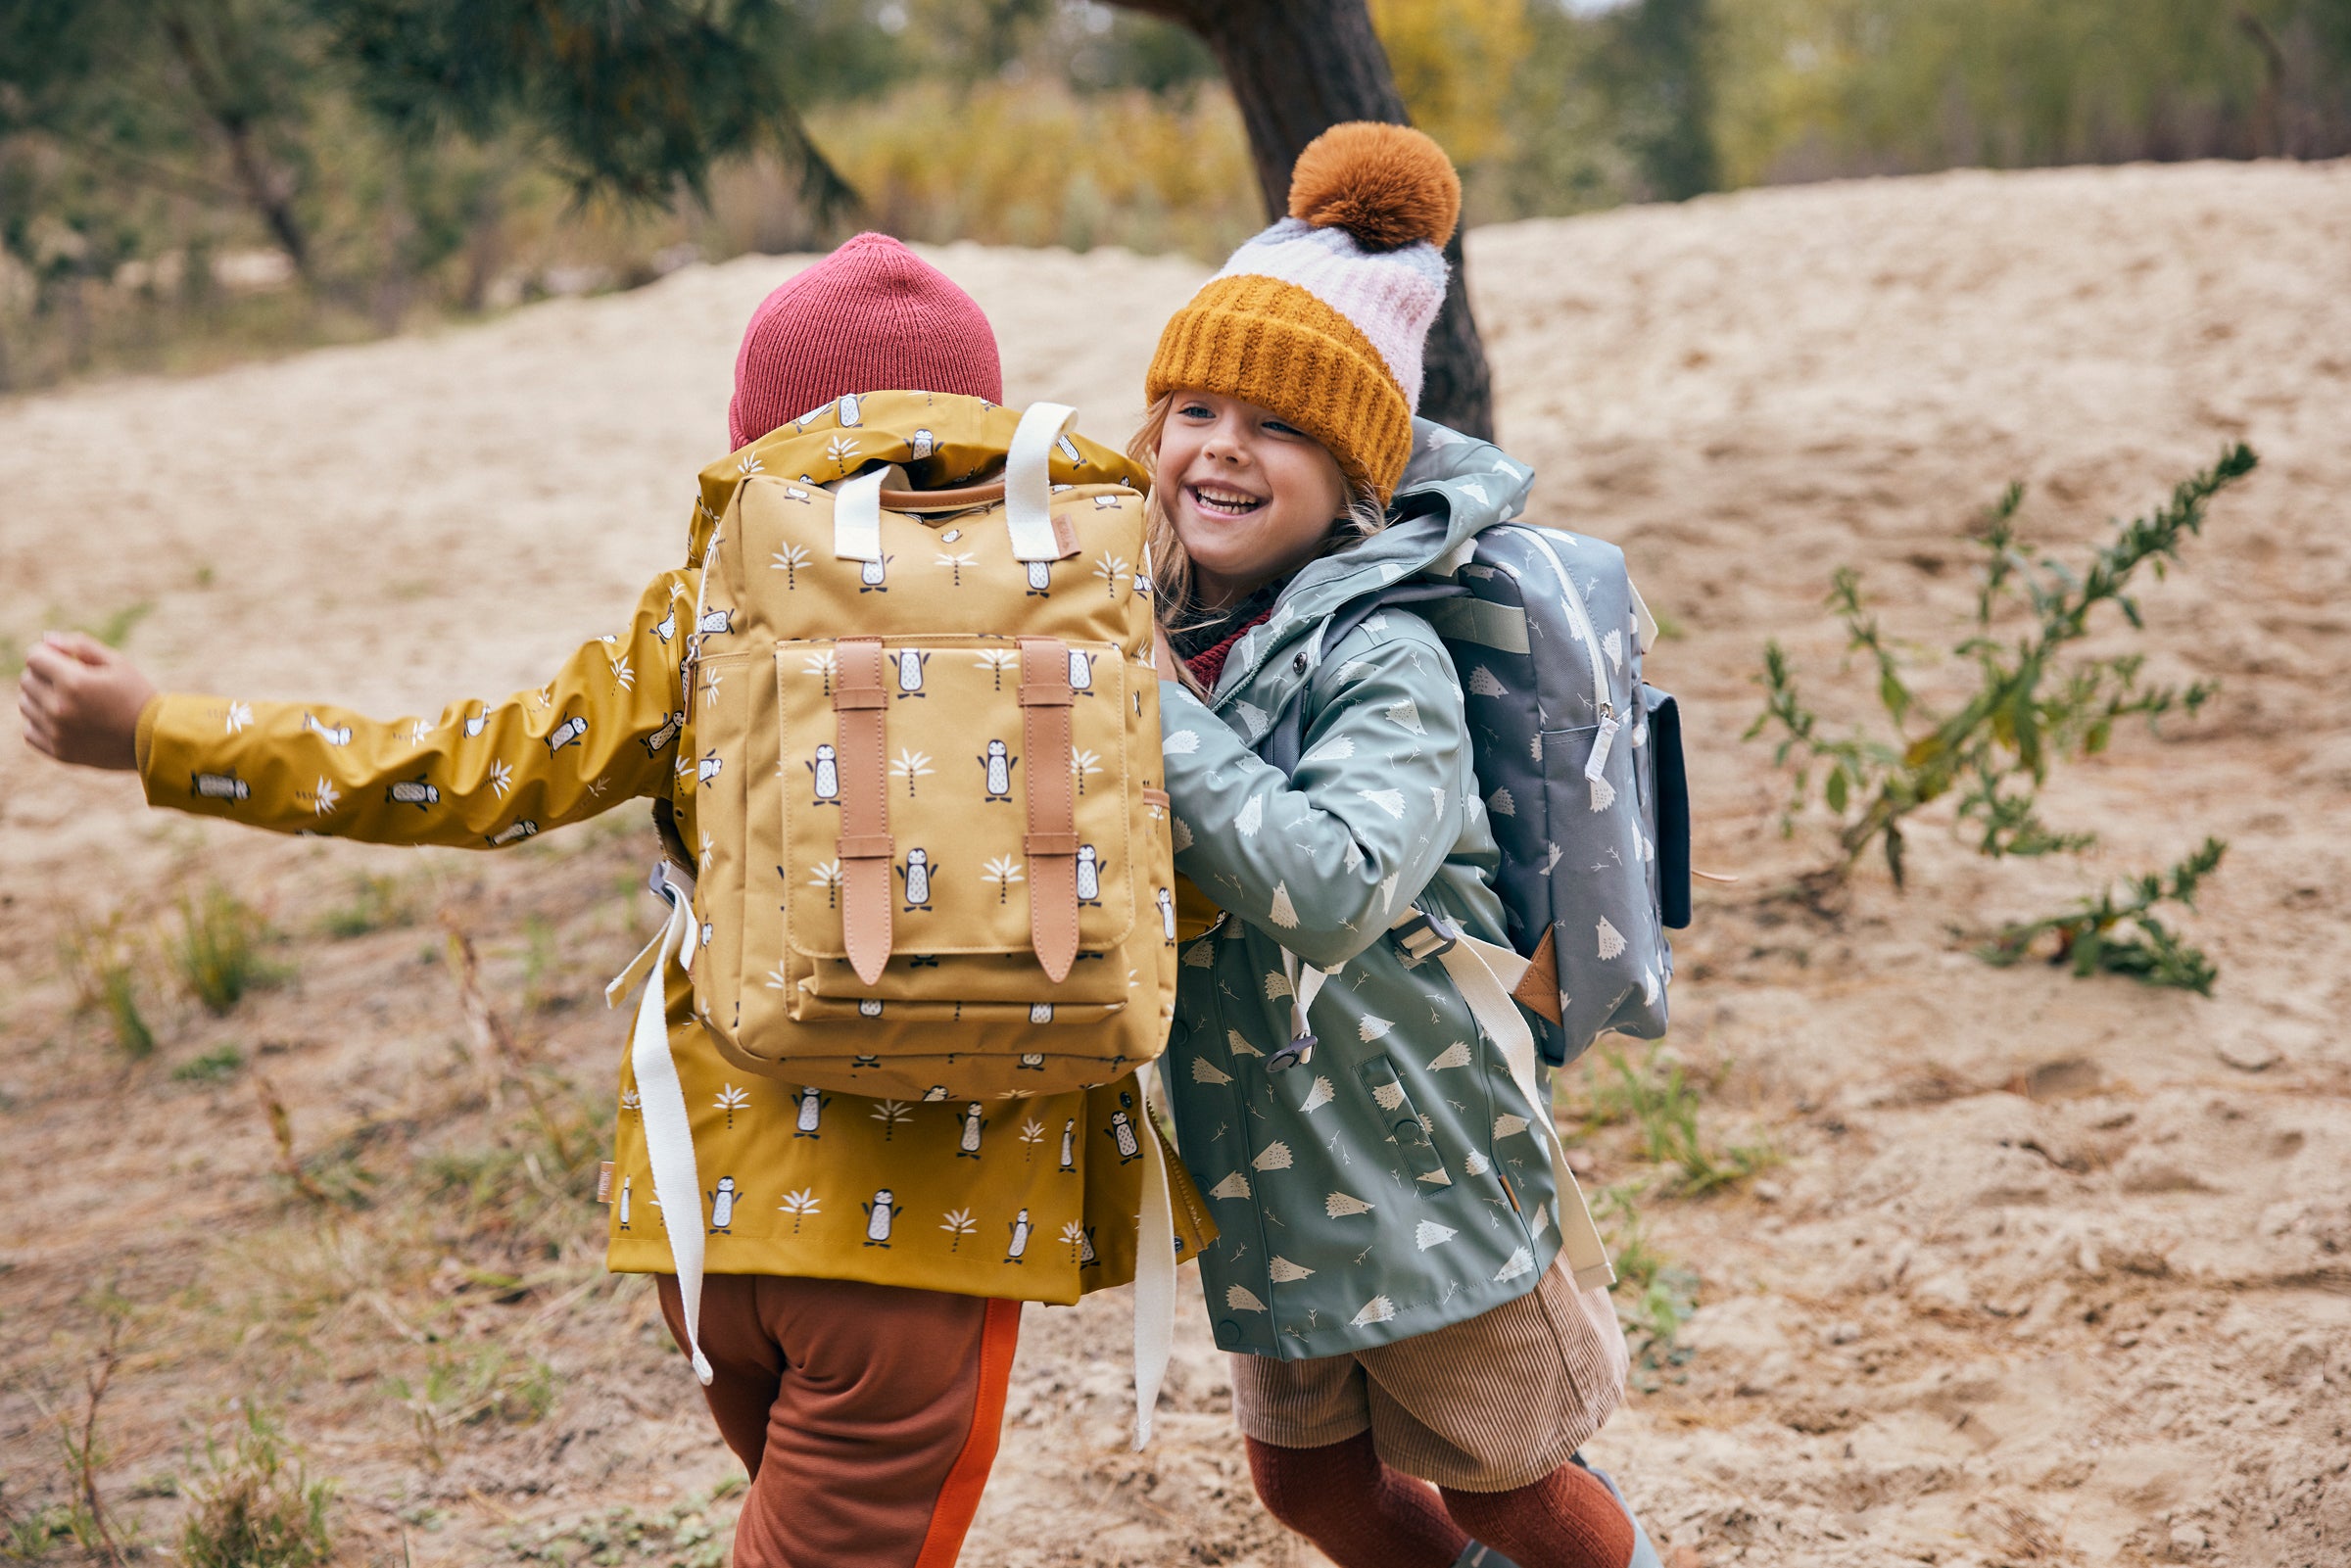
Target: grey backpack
{"x": 1580, "y": 762}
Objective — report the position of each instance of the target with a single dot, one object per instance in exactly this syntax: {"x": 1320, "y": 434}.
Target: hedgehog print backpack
{"x": 1580, "y": 763}
{"x": 919, "y": 762}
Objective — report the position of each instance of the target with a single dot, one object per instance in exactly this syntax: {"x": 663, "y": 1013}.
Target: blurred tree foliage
{"x": 164, "y": 163}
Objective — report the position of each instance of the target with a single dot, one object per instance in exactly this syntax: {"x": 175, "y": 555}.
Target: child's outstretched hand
{"x": 80, "y": 701}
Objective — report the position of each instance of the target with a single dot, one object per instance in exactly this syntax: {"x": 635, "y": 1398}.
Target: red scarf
{"x": 1208, "y": 665}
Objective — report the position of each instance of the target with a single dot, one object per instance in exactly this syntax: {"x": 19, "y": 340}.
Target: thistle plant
{"x": 2036, "y": 700}
{"x": 2122, "y": 934}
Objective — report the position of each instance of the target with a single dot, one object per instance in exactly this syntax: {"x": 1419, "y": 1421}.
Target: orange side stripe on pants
{"x": 959, "y": 1499}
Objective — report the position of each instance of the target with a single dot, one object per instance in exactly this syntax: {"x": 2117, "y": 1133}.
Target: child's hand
{"x": 80, "y": 701}
{"x": 1163, "y": 656}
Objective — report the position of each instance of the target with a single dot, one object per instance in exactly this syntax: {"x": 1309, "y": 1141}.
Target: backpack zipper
{"x": 1582, "y": 618}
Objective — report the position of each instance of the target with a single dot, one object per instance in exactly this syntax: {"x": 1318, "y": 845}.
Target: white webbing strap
{"x": 661, "y": 1106}
{"x": 857, "y": 517}
{"x": 1306, "y": 983}
{"x": 1154, "y": 1271}
{"x": 1484, "y": 973}
{"x": 1028, "y": 482}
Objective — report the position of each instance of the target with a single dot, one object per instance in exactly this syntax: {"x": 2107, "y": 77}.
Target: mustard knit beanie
{"x": 1321, "y": 319}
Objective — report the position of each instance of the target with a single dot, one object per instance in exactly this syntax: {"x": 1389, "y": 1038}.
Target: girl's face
{"x": 1252, "y": 498}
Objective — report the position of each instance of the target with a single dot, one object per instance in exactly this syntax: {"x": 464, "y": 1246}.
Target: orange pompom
{"x": 1387, "y": 185}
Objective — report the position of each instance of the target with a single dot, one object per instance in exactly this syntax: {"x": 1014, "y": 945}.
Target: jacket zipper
{"x": 1582, "y": 618}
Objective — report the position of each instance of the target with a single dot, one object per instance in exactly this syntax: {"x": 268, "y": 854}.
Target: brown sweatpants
{"x": 867, "y": 1414}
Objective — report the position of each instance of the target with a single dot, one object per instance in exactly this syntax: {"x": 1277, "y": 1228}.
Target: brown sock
{"x": 1569, "y": 1519}
{"x": 1359, "y": 1512}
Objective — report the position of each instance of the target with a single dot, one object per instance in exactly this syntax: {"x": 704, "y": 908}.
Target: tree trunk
{"x": 1297, "y": 68}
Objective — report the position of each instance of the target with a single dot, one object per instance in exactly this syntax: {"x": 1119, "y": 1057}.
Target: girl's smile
{"x": 1252, "y": 497}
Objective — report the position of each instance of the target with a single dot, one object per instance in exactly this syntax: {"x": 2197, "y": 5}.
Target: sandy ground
{"x": 2054, "y": 1271}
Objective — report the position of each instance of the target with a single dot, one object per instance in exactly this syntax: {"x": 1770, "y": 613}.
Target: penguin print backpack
{"x": 919, "y": 769}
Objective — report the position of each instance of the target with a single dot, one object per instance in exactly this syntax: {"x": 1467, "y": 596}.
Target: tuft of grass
{"x": 378, "y": 903}
{"x": 219, "y": 950}
{"x": 1662, "y": 1101}
{"x": 217, "y": 1065}
{"x": 472, "y": 1388}
{"x": 104, "y": 965}
{"x": 257, "y": 1507}
{"x": 1655, "y": 1299}
{"x": 539, "y": 965}
{"x": 682, "y": 1535}
{"x": 115, "y": 629}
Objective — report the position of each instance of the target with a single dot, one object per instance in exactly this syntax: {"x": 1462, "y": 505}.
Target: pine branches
{"x": 2037, "y": 701}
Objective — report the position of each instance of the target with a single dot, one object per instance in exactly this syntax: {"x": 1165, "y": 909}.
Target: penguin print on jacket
{"x": 869, "y": 1007}
{"x": 715, "y": 623}
{"x": 219, "y": 786}
{"x": 707, "y": 769}
{"x": 1121, "y": 1130}
{"x": 969, "y": 1126}
{"x": 880, "y": 1212}
{"x": 413, "y": 792}
{"x": 1040, "y": 1012}
{"x": 999, "y": 765}
{"x": 811, "y": 1109}
{"x": 334, "y": 734}
{"x": 476, "y": 725}
{"x": 722, "y": 1206}
{"x": 1030, "y": 1061}
{"x": 1041, "y": 580}
{"x": 667, "y": 626}
{"x": 1166, "y": 914}
{"x": 1018, "y": 1250}
{"x": 1069, "y": 1147}
{"x": 1089, "y": 876}
{"x": 567, "y": 734}
{"x": 827, "y": 769}
{"x": 1088, "y": 1257}
{"x": 917, "y": 874}
{"x": 910, "y": 671}
{"x": 625, "y": 1203}
{"x": 513, "y": 834}
{"x": 661, "y": 740}
{"x": 922, "y": 446}
{"x": 1082, "y": 672}
{"x": 871, "y": 575}
{"x": 850, "y": 413}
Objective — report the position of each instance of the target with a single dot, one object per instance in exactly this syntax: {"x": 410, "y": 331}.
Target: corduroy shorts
{"x": 1495, "y": 1402}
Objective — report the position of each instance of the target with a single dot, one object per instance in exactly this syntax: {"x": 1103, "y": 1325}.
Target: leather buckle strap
{"x": 1052, "y": 840}
{"x": 864, "y": 845}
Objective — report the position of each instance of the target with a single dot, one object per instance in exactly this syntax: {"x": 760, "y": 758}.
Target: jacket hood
{"x": 1453, "y": 488}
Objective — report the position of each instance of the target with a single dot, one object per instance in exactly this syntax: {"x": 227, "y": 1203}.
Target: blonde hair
{"x": 1172, "y": 564}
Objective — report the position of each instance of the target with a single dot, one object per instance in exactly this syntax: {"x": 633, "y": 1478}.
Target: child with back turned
{"x": 861, "y": 1382}
{"x": 1388, "y": 1273}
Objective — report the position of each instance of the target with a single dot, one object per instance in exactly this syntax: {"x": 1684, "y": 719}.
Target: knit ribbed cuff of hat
{"x": 1309, "y": 363}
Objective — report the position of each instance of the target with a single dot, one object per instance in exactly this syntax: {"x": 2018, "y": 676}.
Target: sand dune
{"x": 2054, "y": 1273}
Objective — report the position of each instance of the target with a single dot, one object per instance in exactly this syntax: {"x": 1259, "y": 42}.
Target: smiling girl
{"x": 1389, "y": 1215}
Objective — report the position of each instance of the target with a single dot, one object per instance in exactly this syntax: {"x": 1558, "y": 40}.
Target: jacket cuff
{"x": 145, "y": 741}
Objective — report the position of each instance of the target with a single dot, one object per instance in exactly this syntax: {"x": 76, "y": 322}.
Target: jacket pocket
{"x": 1401, "y": 1119}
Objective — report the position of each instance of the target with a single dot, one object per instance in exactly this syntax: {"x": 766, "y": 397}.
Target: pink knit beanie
{"x": 873, "y": 316}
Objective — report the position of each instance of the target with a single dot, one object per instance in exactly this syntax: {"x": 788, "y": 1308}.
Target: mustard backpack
{"x": 919, "y": 761}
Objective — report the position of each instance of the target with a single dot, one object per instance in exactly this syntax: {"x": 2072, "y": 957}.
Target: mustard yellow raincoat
{"x": 835, "y": 1186}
